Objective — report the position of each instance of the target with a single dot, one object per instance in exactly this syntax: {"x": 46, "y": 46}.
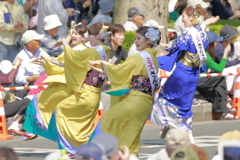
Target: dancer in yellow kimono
{"x": 136, "y": 80}
{"x": 74, "y": 116}
{"x": 41, "y": 108}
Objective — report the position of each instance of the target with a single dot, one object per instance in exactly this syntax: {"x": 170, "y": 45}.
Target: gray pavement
{"x": 206, "y": 135}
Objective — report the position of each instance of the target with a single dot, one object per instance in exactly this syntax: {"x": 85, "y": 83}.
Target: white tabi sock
{"x": 14, "y": 126}
{"x": 191, "y": 138}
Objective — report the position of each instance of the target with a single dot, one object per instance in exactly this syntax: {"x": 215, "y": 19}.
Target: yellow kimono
{"x": 57, "y": 89}
{"x": 75, "y": 114}
{"x": 126, "y": 118}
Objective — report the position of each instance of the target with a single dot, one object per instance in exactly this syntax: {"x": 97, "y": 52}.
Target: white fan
{"x": 6, "y": 66}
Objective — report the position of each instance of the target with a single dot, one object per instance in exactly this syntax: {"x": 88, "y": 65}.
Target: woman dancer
{"x": 74, "y": 116}
{"x": 126, "y": 117}
{"x": 173, "y": 106}
{"x": 41, "y": 108}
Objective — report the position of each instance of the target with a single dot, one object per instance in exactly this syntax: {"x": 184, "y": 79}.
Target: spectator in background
{"x": 12, "y": 21}
{"x": 69, "y": 4}
{"x": 117, "y": 38}
{"x": 27, "y": 72}
{"x": 49, "y": 7}
{"x": 110, "y": 145}
{"x": 85, "y": 8}
{"x": 51, "y": 37}
{"x": 104, "y": 13}
{"x": 224, "y": 11}
{"x": 228, "y": 33}
{"x": 175, "y": 138}
{"x": 135, "y": 19}
{"x": 90, "y": 151}
{"x": 7, "y": 154}
{"x": 228, "y": 136}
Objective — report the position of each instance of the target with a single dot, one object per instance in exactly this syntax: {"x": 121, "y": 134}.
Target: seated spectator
{"x": 12, "y": 21}
{"x": 50, "y": 39}
{"x": 85, "y": 8}
{"x": 49, "y": 7}
{"x": 135, "y": 19}
{"x": 228, "y": 33}
{"x": 27, "y": 72}
{"x": 117, "y": 38}
{"x": 104, "y": 13}
{"x": 228, "y": 136}
{"x": 214, "y": 89}
{"x": 8, "y": 154}
{"x": 184, "y": 153}
{"x": 175, "y": 138}
{"x": 221, "y": 10}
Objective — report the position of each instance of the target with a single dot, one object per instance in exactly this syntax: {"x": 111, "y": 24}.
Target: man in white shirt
{"x": 135, "y": 19}
{"x": 49, "y": 7}
{"x": 28, "y": 72}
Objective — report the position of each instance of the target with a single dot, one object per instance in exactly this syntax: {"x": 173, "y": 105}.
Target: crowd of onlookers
{"x": 33, "y": 28}
{"x": 177, "y": 147}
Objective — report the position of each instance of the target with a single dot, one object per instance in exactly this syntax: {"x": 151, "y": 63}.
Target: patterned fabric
{"x": 165, "y": 113}
{"x": 142, "y": 84}
{"x": 47, "y": 44}
{"x": 95, "y": 79}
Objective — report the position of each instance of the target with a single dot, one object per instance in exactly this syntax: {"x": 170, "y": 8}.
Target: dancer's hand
{"x": 97, "y": 62}
{"x": 54, "y": 61}
{"x": 36, "y": 61}
{"x": 125, "y": 155}
{"x": 163, "y": 53}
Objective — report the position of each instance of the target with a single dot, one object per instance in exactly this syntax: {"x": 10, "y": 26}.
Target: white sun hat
{"x": 6, "y": 66}
{"x": 51, "y": 21}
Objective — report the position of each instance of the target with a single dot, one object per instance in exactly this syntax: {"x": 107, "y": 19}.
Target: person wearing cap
{"x": 228, "y": 136}
{"x": 174, "y": 138}
{"x": 135, "y": 19}
{"x": 104, "y": 13}
{"x": 228, "y": 33}
{"x": 109, "y": 145}
{"x": 12, "y": 21}
{"x": 51, "y": 37}
{"x": 31, "y": 50}
{"x": 91, "y": 151}
{"x": 214, "y": 89}
{"x": 49, "y": 7}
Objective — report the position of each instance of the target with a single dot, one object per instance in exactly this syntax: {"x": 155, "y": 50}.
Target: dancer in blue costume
{"x": 173, "y": 106}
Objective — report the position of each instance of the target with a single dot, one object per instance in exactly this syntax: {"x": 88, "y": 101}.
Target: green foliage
{"x": 218, "y": 26}
{"x": 129, "y": 39}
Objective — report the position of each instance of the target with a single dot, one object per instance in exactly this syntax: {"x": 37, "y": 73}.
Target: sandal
{"x": 232, "y": 110}
{"x": 225, "y": 114}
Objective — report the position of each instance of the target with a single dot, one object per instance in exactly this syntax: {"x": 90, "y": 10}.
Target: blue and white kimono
{"x": 173, "y": 106}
